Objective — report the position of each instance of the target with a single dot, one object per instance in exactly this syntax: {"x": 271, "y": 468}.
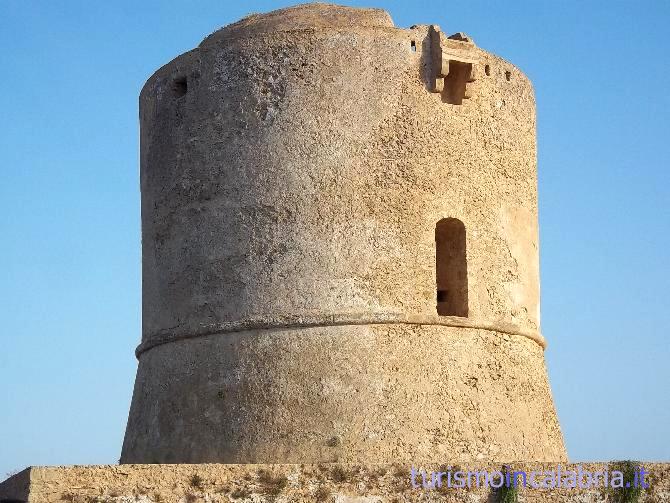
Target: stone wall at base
{"x": 328, "y": 482}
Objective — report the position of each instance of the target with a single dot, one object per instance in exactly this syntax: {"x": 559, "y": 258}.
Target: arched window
{"x": 451, "y": 269}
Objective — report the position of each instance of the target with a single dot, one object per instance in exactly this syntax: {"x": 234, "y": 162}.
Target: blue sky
{"x": 69, "y": 209}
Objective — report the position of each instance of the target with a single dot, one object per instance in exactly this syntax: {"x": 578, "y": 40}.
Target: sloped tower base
{"x": 416, "y": 393}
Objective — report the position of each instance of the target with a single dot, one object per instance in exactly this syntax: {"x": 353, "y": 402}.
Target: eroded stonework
{"x": 340, "y": 249}
{"x": 328, "y": 482}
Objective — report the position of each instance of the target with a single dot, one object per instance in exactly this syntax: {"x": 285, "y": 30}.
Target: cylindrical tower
{"x": 340, "y": 249}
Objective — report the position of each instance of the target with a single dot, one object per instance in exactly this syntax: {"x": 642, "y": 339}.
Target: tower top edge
{"x": 306, "y": 16}
{"x": 312, "y": 15}
{"x": 320, "y": 19}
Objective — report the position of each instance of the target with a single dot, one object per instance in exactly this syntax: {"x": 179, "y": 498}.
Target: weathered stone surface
{"x": 383, "y": 391}
{"x": 294, "y": 168}
{"x": 339, "y": 483}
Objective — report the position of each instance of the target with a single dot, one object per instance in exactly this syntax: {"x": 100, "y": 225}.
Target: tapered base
{"x": 364, "y": 394}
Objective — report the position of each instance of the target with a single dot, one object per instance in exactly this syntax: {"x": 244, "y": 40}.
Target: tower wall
{"x": 295, "y": 169}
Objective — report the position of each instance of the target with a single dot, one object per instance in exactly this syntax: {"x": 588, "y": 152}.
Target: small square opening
{"x": 180, "y": 86}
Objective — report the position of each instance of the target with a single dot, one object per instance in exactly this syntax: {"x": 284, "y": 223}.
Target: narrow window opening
{"x": 487, "y": 70}
{"x": 508, "y": 75}
{"x": 413, "y": 45}
{"x": 451, "y": 268}
{"x": 180, "y": 86}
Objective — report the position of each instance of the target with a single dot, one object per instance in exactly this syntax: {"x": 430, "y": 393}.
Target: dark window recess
{"x": 180, "y": 86}
{"x": 451, "y": 271}
{"x": 413, "y": 46}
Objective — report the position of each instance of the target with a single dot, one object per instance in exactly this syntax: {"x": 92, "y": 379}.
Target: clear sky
{"x": 69, "y": 209}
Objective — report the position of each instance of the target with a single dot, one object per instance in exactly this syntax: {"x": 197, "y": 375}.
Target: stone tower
{"x": 340, "y": 249}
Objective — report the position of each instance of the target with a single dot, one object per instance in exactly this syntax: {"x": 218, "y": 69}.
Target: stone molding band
{"x": 281, "y": 322}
